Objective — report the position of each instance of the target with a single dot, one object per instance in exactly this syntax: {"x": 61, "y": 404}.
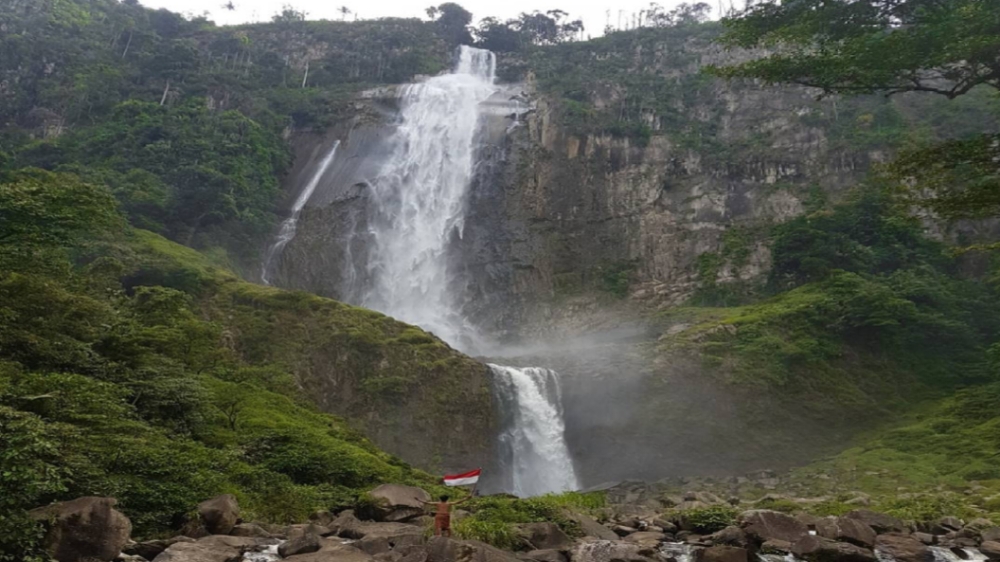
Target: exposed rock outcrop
{"x": 86, "y": 529}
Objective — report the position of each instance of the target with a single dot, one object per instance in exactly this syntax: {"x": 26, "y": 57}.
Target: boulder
{"x": 903, "y": 548}
{"x": 220, "y": 514}
{"x": 292, "y": 532}
{"x": 151, "y": 549}
{"x": 950, "y": 523}
{"x": 332, "y": 551}
{"x": 990, "y": 534}
{"x": 85, "y": 529}
{"x": 303, "y": 544}
{"x": 322, "y": 517}
{"x": 249, "y": 530}
{"x": 592, "y": 528}
{"x": 991, "y": 549}
{"x": 347, "y": 525}
{"x": 819, "y": 549}
{"x": 608, "y": 551}
{"x": 776, "y": 546}
{"x": 764, "y": 525}
{"x": 721, "y": 554}
{"x": 925, "y": 538}
{"x": 391, "y": 556}
{"x": 398, "y": 503}
{"x": 881, "y": 522}
{"x": 649, "y": 539}
{"x": 216, "y": 548}
{"x": 624, "y": 530}
{"x": 443, "y": 549}
{"x": 545, "y": 536}
{"x": 130, "y": 558}
{"x": 665, "y": 524}
{"x": 854, "y": 531}
{"x": 548, "y": 555}
{"x": 979, "y": 523}
{"x": 731, "y": 536}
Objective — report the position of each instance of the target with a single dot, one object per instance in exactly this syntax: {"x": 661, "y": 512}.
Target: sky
{"x": 594, "y": 13}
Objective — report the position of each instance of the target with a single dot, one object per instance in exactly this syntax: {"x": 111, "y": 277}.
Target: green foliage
{"x": 708, "y": 520}
{"x": 493, "y": 517}
{"x": 872, "y": 45}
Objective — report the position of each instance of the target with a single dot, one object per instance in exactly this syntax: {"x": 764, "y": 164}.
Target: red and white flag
{"x": 464, "y": 479}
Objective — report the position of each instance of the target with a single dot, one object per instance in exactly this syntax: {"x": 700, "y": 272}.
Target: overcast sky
{"x": 594, "y": 13}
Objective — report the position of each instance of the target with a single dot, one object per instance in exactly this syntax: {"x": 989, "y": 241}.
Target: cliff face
{"x": 628, "y": 190}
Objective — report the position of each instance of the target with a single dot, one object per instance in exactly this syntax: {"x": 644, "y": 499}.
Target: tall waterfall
{"x": 418, "y": 202}
{"x": 533, "y": 442}
{"x": 288, "y": 227}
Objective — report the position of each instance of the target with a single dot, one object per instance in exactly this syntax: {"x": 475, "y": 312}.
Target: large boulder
{"x": 332, "y": 551}
{"x": 764, "y": 525}
{"x": 649, "y": 539}
{"x": 819, "y": 549}
{"x": 853, "y": 531}
{"x": 85, "y": 529}
{"x": 591, "y": 528}
{"x": 216, "y": 548}
{"x": 151, "y": 549}
{"x": 543, "y": 556}
{"x": 902, "y": 548}
{"x": 220, "y": 514}
{"x": 730, "y": 536}
{"x": 881, "y": 522}
{"x": 721, "y": 554}
{"x": 544, "y": 536}
{"x": 611, "y": 551}
{"x": 396, "y": 502}
{"x": 303, "y": 544}
{"x": 443, "y": 549}
{"x": 249, "y": 530}
{"x": 990, "y": 534}
{"x": 991, "y": 549}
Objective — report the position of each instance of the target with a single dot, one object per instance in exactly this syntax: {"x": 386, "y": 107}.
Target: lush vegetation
{"x": 494, "y": 519}
{"x": 129, "y": 368}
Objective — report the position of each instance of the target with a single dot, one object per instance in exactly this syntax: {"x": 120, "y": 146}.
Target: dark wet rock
{"x": 903, "y": 548}
{"x": 85, "y": 529}
{"x": 592, "y": 528}
{"x": 303, "y": 544}
{"x": 220, "y": 514}
{"x": 545, "y": 536}
{"x": 881, "y": 522}
{"x": 819, "y": 549}
{"x": 648, "y": 539}
{"x": 925, "y": 538}
{"x": 611, "y": 551}
{"x": 721, "y": 554}
{"x": 731, "y": 536}
{"x": 216, "y": 548}
{"x": 991, "y": 549}
{"x": 548, "y": 555}
{"x": 249, "y": 530}
{"x": 764, "y": 525}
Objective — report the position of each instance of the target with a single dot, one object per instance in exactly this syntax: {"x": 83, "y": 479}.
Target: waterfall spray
{"x": 288, "y": 227}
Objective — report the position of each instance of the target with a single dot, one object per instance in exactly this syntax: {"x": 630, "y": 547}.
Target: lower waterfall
{"x": 533, "y": 443}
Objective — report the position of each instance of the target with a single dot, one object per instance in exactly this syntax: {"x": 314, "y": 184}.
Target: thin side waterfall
{"x": 288, "y": 227}
{"x": 533, "y": 441}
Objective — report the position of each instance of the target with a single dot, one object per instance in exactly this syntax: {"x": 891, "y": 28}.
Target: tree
{"x": 453, "y": 22}
{"x": 344, "y": 12}
{"x": 869, "y": 46}
{"x": 684, "y": 14}
{"x": 890, "y": 46}
{"x": 288, "y": 14}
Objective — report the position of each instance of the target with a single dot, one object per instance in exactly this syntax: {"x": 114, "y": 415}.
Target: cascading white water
{"x": 534, "y": 440}
{"x": 289, "y": 226}
{"x": 418, "y": 201}
{"x": 420, "y": 198}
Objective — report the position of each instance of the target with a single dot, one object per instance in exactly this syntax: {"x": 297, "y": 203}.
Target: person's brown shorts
{"x": 442, "y": 522}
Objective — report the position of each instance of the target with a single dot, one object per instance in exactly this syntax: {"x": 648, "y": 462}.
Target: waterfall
{"x": 417, "y": 203}
{"x": 288, "y": 227}
{"x": 419, "y": 198}
{"x": 533, "y": 440}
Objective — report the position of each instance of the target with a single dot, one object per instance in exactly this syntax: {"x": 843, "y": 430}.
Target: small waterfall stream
{"x": 289, "y": 226}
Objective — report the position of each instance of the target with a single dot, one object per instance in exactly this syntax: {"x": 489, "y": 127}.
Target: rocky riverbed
{"x": 633, "y": 526}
